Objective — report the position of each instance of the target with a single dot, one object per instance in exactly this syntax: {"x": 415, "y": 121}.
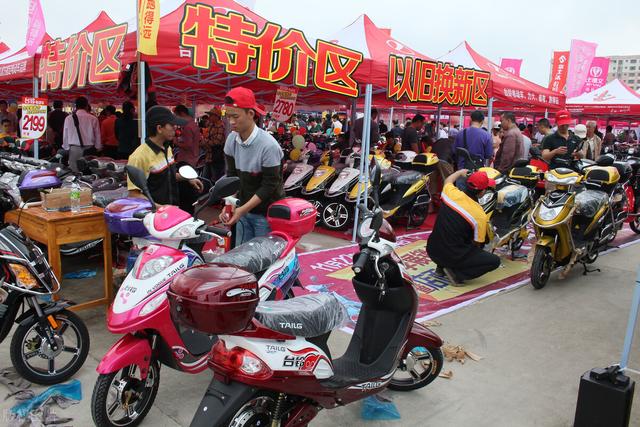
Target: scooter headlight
{"x": 153, "y": 304}
{"x": 548, "y": 214}
{"x": 154, "y": 266}
{"x": 486, "y": 198}
{"x": 183, "y": 232}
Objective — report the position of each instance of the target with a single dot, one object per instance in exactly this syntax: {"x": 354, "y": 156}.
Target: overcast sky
{"x": 511, "y": 29}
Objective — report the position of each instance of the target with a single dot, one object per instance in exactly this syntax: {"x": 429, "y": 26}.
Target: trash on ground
{"x": 80, "y": 274}
{"x": 458, "y": 353}
{"x": 379, "y": 407}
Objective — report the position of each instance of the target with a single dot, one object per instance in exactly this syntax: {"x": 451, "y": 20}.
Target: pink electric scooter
{"x": 130, "y": 371}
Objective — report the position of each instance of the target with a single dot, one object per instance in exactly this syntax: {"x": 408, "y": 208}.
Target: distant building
{"x": 625, "y": 68}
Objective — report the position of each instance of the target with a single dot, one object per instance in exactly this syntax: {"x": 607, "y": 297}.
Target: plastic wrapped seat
{"x": 512, "y": 195}
{"x": 256, "y": 255}
{"x": 305, "y": 316}
{"x": 406, "y": 178}
{"x": 589, "y": 202}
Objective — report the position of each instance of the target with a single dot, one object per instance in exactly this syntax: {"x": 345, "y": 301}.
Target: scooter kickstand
{"x": 586, "y": 270}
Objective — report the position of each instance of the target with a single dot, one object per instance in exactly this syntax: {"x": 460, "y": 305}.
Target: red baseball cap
{"x": 244, "y": 98}
{"x": 479, "y": 181}
{"x": 563, "y": 117}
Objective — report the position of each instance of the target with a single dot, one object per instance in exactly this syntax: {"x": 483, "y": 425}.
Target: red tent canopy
{"x": 615, "y": 99}
{"x": 376, "y": 44}
{"x": 507, "y": 89}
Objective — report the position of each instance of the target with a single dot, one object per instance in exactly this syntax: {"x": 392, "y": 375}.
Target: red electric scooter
{"x": 271, "y": 363}
{"x": 130, "y": 371}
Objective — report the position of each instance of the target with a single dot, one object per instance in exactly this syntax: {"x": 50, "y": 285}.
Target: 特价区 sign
{"x": 420, "y": 80}
{"x": 237, "y": 45}
{"x": 77, "y": 59}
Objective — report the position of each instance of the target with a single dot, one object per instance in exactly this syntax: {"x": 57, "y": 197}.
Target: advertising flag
{"x": 580, "y": 57}
{"x": 511, "y": 65}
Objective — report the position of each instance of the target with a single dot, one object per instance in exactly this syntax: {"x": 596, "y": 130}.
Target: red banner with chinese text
{"x": 420, "y": 80}
{"x": 80, "y": 59}
{"x": 275, "y": 54}
{"x": 559, "y": 71}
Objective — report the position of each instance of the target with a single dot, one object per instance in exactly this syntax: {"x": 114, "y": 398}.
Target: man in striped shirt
{"x": 460, "y": 231}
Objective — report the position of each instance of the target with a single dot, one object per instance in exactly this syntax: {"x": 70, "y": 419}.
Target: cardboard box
{"x": 58, "y": 199}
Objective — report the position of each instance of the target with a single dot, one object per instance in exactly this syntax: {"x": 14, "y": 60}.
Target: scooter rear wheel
{"x": 417, "y": 368}
{"x": 635, "y": 224}
{"x": 258, "y": 411}
{"x": 121, "y": 399}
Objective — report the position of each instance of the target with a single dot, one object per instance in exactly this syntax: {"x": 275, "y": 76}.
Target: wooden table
{"x": 58, "y": 228}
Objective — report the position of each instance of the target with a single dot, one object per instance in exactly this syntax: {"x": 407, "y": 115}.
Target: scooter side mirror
{"x": 138, "y": 179}
{"x": 187, "y": 172}
{"x": 224, "y": 187}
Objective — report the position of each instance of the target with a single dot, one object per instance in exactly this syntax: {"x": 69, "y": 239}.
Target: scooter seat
{"x": 405, "y": 178}
{"x": 256, "y": 255}
{"x": 306, "y": 316}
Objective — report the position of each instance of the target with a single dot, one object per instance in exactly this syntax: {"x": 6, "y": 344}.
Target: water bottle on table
{"x": 75, "y": 197}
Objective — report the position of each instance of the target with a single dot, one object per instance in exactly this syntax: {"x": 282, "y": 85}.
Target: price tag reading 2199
{"x": 35, "y": 123}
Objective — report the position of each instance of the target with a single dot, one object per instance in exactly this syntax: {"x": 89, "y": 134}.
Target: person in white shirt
{"x": 336, "y": 123}
{"x": 442, "y": 133}
{"x": 77, "y": 139}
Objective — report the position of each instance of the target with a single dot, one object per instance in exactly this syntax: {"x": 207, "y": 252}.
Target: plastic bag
{"x": 70, "y": 391}
{"x": 377, "y": 408}
{"x": 306, "y": 316}
{"x": 80, "y": 274}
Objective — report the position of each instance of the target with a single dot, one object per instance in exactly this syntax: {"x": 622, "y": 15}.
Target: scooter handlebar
{"x": 359, "y": 263}
{"x": 220, "y": 231}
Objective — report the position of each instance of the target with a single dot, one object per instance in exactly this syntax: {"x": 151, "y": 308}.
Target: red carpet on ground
{"x": 400, "y": 228}
{"x": 330, "y": 271}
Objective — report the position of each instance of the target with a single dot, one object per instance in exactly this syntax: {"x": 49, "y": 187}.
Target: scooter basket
{"x": 214, "y": 298}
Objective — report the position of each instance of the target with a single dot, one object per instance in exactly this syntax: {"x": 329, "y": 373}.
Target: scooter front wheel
{"x": 417, "y": 368}
{"x": 123, "y": 398}
{"x": 541, "y": 267}
{"x": 41, "y": 361}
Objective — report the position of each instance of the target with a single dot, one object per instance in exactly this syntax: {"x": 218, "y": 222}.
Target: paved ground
{"x": 535, "y": 345}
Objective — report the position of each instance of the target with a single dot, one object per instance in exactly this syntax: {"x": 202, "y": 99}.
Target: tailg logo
{"x": 291, "y": 325}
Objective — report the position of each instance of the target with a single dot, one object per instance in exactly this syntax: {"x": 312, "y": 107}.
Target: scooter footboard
{"x": 220, "y": 402}
{"x": 129, "y": 350}
{"x": 422, "y": 337}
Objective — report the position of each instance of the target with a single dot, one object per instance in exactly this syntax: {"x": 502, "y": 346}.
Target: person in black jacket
{"x": 126, "y": 129}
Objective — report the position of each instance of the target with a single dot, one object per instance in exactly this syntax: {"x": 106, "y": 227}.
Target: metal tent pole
{"x": 490, "y": 114}
{"x": 631, "y": 324}
{"x": 36, "y": 143}
{"x": 142, "y": 102}
{"x": 546, "y": 113}
{"x": 461, "y": 122}
{"x": 391, "y": 119}
{"x": 437, "y": 131}
{"x": 364, "y": 156}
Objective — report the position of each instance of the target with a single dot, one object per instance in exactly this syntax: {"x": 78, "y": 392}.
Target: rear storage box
{"x": 425, "y": 162}
{"x": 606, "y": 176}
{"x": 116, "y": 211}
{"x": 214, "y": 298}
{"x": 32, "y": 181}
{"x": 526, "y": 175}
{"x": 293, "y": 216}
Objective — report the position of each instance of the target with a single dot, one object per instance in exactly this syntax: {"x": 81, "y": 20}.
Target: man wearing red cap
{"x": 254, "y": 156}
{"x": 561, "y": 144}
{"x": 461, "y": 229}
